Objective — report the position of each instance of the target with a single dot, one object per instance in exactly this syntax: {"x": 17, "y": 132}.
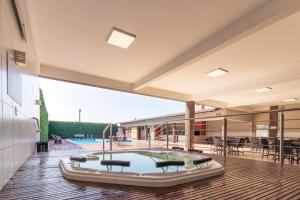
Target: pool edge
{"x": 136, "y": 180}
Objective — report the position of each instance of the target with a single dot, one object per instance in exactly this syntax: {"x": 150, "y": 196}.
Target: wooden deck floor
{"x": 40, "y": 178}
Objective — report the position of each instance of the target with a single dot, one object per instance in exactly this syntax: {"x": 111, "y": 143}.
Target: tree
{"x": 43, "y": 119}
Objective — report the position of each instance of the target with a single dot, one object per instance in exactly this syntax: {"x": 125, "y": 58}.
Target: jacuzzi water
{"x": 142, "y": 170}
{"x": 144, "y": 162}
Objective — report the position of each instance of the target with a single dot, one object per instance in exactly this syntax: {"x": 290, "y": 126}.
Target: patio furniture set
{"x": 267, "y": 147}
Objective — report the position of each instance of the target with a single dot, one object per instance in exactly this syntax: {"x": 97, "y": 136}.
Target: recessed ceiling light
{"x": 289, "y": 100}
{"x": 217, "y": 72}
{"x": 265, "y": 89}
{"x": 120, "y": 38}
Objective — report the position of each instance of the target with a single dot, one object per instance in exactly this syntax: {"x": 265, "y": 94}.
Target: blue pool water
{"x": 92, "y": 140}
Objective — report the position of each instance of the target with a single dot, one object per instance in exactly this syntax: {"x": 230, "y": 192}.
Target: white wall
{"x": 18, "y": 130}
{"x": 292, "y": 127}
{"x": 214, "y": 128}
{"x": 236, "y": 125}
{"x": 263, "y": 121}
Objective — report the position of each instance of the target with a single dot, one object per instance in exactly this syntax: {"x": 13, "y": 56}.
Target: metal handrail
{"x": 103, "y": 136}
{"x": 239, "y": 114}
{"x": 155, "y": 130}
{"x": 225, "y": 119}
{"x": 232, "y": 115}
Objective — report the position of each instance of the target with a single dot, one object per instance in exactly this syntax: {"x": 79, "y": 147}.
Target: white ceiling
{"x": 270, "y": 57}
{"x": 71, "y": 35}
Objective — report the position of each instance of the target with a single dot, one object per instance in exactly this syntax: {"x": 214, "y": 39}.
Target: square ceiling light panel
{"x": 265, "y": 89}
{"x": 216, "y": 73}
{"x": 290, "y": 100}
{"x": 120, "y": 38}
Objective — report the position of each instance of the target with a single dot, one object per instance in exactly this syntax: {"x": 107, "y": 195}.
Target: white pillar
{"x": 173, "y": 133}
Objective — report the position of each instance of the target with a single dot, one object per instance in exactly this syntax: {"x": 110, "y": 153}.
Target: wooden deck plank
{"x": 40, "y": 178}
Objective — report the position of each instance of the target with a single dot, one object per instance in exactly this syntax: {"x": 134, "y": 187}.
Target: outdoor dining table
{"x": 296, "y": 143}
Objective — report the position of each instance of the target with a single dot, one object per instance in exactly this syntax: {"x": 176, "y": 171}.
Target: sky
{"x": 63, "y": 101}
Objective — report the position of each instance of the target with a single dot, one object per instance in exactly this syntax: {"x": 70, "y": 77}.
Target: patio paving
{"x": 65, "y": 145}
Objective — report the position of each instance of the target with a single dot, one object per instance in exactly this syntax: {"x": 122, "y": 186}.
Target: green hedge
{"x": 44, "y": 119}
{"x": 69, "y": 129}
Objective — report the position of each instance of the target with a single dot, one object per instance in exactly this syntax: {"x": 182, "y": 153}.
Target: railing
{"x": 103, "y": 136}
{"x": 157, "y": 133}
{"x": 251, "y": 126}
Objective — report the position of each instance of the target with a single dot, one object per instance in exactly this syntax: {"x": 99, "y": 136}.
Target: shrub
{"x": 69, "y": 129}
{"x": 44, "y": 123}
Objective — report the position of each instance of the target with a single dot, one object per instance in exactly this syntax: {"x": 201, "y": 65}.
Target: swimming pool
{"x": 94, "y": 140}
{"x": 143, "y": 169}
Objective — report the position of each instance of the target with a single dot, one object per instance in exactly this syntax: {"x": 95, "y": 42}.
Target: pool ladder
{"x": 103, "y": 137}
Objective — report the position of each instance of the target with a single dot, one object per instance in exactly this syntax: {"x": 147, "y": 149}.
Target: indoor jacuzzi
{"x": 140, "y": 168}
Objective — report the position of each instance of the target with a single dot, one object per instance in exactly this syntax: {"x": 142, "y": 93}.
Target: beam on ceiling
{"x": 213, "y": 103}
{"x": 56, "y": 73}
{"x": 259, "y": 18}
{"x": 276, "y": 99}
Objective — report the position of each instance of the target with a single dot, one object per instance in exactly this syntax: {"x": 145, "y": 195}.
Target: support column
{"x": 224, "y": 137}
{"x": 273, "y": 126}
{"x": 281, "y": 147}
{"x": 167, "y": 132}
{"x": 173, "y": 133}
{"x": 110, "y": 136}
{"x": 189, "y": 124}
{"x": 145, "y": 133}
